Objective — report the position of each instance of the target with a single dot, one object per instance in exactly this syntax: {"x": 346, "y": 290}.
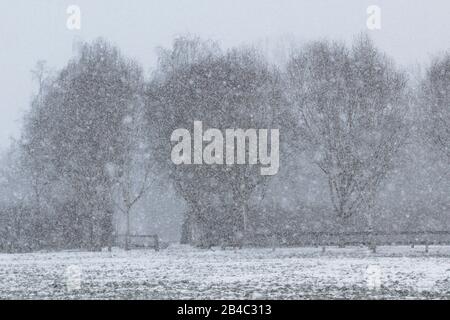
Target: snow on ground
{"x": 182, "y": 272}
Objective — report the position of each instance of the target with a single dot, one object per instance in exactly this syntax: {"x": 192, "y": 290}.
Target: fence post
{"x": 156, "y": 242}
{"x": 373, "y": 246}
{"x": 372, "y": 241}
{"x": 127, "y": 244}
{"x": 273, "y": 242}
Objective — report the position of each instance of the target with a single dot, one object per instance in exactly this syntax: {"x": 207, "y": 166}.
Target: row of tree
{"x": 97, "y": 136}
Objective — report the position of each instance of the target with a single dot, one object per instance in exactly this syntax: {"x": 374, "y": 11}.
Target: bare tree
{"x": 434, "y": 103}
{"x": 133, "y": 180}
{"x": 77, "y": 130}
{"x": 196, "y": 81}
{"x": 350, "y": 106}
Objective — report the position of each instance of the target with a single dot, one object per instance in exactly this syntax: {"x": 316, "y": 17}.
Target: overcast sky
{"x": 411, "y": 32}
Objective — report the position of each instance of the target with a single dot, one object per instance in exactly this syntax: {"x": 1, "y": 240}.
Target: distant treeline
{"x": 353, "y": 127}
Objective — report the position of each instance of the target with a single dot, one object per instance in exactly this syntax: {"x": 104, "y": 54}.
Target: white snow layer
{"x": 182, "y": 272}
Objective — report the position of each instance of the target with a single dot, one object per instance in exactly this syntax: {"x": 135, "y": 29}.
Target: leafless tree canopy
{"x": 96, "y": 141}
{"x": 350, "y": 105}
{"x": 435, "y": 104}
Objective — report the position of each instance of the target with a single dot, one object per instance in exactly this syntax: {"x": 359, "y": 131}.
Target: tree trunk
{"x": 186, "y": 230}
{"x": 91, "y": 234}
{"x": 340, "y": 227}
{"x": 245, "y": 235}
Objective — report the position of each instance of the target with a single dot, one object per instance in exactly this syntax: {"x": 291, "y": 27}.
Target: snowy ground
{"x": 181, "y": 272}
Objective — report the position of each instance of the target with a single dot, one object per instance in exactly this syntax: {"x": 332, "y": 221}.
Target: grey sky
{"x": 412, "y": 31}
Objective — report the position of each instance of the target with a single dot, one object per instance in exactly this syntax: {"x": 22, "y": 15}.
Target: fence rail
{"x": 441, "y": 237}
{"x": 138, "y": 241}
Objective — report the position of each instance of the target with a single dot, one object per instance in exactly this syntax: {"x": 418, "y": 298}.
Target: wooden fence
{"x": 139, "y": 241}
{"x": 351, "y": 238}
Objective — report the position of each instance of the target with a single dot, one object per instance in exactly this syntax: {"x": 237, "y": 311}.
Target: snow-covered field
{"x": 181, "y": 272}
